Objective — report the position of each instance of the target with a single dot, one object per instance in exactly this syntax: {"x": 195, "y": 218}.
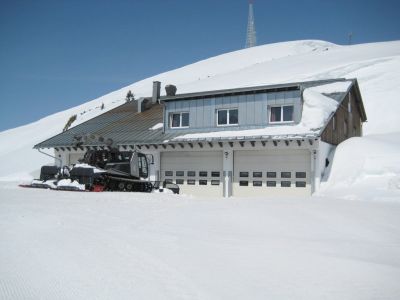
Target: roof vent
{"x": 156, "y": 91}
{"x": 170, "y": 89}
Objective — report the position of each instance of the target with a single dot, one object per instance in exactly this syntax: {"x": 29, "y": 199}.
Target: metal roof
{"x": 123, "y": 125}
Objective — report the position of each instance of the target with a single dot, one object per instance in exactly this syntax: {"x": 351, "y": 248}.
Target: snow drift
{"x": 366, "y": 168}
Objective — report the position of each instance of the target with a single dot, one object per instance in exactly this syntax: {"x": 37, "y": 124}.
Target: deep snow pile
{"x": 376, "y": 66}
{"x": 71, "y": 245}
{"x": 367, "y": 167}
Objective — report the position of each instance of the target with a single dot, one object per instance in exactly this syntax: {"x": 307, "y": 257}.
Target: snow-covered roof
{"x": 125, "y": 126}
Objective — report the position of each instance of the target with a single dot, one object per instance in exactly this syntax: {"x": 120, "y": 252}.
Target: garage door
{"x": 197, "y": 173}
{"x": 281, "y": 172}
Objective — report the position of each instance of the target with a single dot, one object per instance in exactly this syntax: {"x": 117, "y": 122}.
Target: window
{"x": 281, "y": 114}
{"x": 215, "y": 174}
{"x": 271, "y": 183}
{"x": 179, "y": 181}
{"x": 300, "y": 184}
{"x": 257, "y": 174}
{"x": 169, "y": 173}
{"x": 179, "y": 120}
{"x": 168, "y": 180}
{"x": 180, "y": 173}
{"x": 191, "y": 182}
{"x": 191, "y": 173}
{"x": 202, "y": 182}
{"x": 203, "y": 173}
{"x": 243, "y": 183}
{"x": 257, "y": 183}
{"x": 285, "y": 183}
{"x": 243, "y": 174}
{"x": 271, "y": 174}
{"x": 227, "y": 117}
{"x": 334, "y": 123}
{"x": 214, "y": 182}
{"x": 300, "y": 174}
{"x": 285, "y": 175}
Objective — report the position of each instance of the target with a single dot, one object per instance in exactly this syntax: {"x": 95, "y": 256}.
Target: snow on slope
{"x": 376, "y": 65}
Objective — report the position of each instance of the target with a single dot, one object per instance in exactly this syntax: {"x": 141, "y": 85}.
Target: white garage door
{"x": 278, "y": 172}
{"x": 197, "y": 172}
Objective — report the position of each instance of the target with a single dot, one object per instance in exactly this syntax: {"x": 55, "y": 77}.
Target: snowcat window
{"x": 143, "y": 169}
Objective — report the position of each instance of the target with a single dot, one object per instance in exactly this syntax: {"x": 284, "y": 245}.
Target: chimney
{"x": 156, "y": 92}
{"x": 170, "y": 89}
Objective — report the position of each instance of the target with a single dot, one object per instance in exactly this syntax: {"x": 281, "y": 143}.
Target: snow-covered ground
{"x": 73, "y": 245}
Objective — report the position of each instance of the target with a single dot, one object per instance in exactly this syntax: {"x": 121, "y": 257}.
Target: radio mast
{"x": 251, "y": 39}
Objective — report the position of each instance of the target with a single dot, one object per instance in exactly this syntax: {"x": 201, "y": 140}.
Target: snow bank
{"x": 366, "y": 168}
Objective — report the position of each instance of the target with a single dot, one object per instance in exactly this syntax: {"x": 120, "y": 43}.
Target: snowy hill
{"x": 375, "y": 65}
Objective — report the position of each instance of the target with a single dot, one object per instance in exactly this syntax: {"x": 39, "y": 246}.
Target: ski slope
{"x": 375, "y": 65}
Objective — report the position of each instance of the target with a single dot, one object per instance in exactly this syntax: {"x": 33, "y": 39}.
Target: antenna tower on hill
{"x": 251, "y": 39}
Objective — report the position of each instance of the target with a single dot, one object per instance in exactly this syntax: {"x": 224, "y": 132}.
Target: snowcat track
{"x": 114, "y": 183}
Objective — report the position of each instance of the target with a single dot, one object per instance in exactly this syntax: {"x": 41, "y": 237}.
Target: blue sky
{"x": 57, "y": 54}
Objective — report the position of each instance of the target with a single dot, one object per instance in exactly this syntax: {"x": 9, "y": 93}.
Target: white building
{"x": 264, "y": 140}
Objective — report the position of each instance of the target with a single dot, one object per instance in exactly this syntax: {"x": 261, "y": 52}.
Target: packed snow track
{"x": 154, "y": 246}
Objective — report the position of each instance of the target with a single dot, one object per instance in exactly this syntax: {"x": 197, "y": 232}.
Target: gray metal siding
{"x": 253, "y": 109}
